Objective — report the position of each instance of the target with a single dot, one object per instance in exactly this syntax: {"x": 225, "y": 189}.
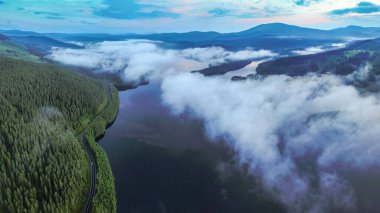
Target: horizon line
{"x": 269, "y": 23}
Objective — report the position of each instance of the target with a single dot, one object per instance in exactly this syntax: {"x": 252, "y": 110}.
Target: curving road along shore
{"x": 92, "y": 190}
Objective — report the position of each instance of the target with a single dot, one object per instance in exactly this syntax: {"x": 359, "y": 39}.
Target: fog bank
{"x": 136, "y": 59}
{"x": 297, "y": 134}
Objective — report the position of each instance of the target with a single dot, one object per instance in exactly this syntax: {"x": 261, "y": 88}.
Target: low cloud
{"x": 218, "y": 55}
{"x": 361, "y": 74}
{"x": 137, "y": 59}
{"x": 309, "y": 51}
{"x": 298, "y": 135}
{"x": 319, "y": 49}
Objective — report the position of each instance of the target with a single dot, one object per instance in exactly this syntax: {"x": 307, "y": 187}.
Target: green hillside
{"x": 16, "y": 51}
{"x": 43, "y": 110}
{"x": 354, "y": 60}
{"x": 341, "y": 62}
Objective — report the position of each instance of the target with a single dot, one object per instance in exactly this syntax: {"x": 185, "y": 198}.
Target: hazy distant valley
{"x": 276, "y": 118}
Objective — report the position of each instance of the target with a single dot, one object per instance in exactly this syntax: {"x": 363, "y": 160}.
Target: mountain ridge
{"x": 260, "y": 26}
{"x": 343, "y": 61}
{"x": 272, "y": 36}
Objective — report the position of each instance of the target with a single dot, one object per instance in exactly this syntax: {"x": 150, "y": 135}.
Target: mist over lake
{"x": 289, "y": 142}
{"x": 164, "y": 163}
{"x": 217, "y": 106}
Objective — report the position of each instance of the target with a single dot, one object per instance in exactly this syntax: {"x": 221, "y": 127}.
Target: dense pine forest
{"x": 43, "y": 111}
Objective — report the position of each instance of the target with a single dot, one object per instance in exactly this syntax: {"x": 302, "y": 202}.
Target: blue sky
{"x": 146, "y": 16}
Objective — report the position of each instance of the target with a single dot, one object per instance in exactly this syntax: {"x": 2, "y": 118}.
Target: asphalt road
{"x": 91, "y": 193}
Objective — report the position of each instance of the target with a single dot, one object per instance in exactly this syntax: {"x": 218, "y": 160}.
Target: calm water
{"x": 164, "y": 163}
{"x": 143, "y": 117}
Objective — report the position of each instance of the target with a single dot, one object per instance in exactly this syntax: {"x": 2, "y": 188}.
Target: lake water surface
{"x": 165, "y": 163}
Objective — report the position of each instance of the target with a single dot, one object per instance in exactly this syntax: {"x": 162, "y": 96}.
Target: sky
{"x": 152, "y": 16}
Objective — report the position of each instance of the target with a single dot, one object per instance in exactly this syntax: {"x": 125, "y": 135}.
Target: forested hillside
{"x": 341, "y": 62}
{"x": 14, "y": 50}
{"x": 43, "y": 109}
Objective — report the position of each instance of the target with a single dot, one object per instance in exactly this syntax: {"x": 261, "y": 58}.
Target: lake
{"x": 165, "y": 163}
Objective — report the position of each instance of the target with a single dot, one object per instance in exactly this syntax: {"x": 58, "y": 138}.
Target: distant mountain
{"x": 340, "y": 62}
{"x": 286, "y": 38}
{"x": 279, "y": 37}
{"x": 356, "y": 31}
{"x": 279, "y": 29}
{"x": 3, "y": 37}
{"x": 189, "y": 36}
{"x": 41, "y": 45}
{"x": 284, "y": 30}
{"x": 84, "y": 37}
{"x": 14, "y": 50}
{"x": 263, "y": 31}
{"x": 38, "y": 43}
{"x": 10, "y": 33}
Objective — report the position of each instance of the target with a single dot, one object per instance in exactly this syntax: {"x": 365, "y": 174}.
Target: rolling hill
{"x": 41, "y": 45}
{"x": 357, "y": 31}
{"x": 275, "y": 36}
{"x": 342, "y": 61}
{"x": 37, "y": 43}
{"x": 353, "y": 59}
{"x": 15, "y": 50}
{"x": 279, "y": 37}
{"x": 29, "y": 48}
{"x": 10, "y": 33}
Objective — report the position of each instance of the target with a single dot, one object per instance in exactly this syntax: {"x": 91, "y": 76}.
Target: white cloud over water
{"x": 298, "y": 135}
{"x": 286, "y": 128}
{"x": 137, "y": 59}
{"x": 319, "y": 49}
{"x": 309, "y": 50}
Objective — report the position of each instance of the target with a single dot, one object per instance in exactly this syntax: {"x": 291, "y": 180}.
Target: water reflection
{"x": 164, "y": 163}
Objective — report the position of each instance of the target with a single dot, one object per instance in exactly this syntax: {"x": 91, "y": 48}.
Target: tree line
{"x": 43, "y": 108}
